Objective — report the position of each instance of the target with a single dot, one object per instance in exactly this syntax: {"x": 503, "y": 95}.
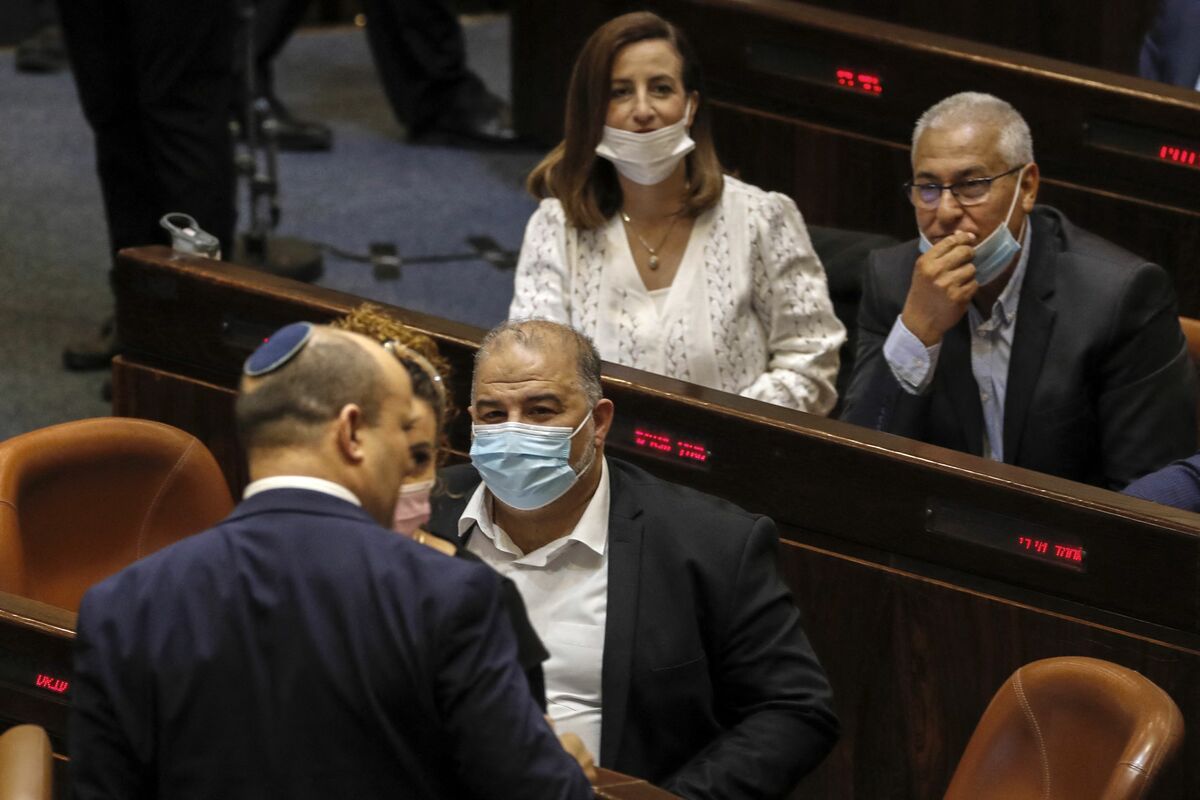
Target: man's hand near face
{"x": 943, "y": 284}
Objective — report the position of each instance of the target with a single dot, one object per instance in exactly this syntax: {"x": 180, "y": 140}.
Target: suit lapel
{"x": 1031, "y": 340}
{"x": 954, "y": 365}
{"x": 624, "y": 582}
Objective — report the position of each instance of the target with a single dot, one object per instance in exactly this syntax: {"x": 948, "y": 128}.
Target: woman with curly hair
{"x": 430, "y": 373}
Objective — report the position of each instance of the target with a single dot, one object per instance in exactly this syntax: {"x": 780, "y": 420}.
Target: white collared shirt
{"x": 565, "y": 587}
{"x": 301, "y": 482}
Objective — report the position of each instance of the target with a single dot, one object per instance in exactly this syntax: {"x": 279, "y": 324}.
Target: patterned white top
{"x": 748, "y": 311}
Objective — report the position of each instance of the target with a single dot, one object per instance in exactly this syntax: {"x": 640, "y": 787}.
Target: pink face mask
{"x": 412, "y": 507}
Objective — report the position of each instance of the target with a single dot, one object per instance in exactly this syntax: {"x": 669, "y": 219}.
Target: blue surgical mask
{"x": 994, "y": 253}
{"x": 526, "y": 466}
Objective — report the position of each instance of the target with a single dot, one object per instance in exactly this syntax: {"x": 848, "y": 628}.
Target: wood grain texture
{"x": 916, "y": 630}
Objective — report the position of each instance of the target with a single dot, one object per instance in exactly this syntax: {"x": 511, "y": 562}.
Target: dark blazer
{"x": 1100, "y": 386}
{"x": 1171, "y": 49}
{"x": 1176, "y": 485}
{"x": 710, "y": 687}
{"x": 299, "y": 650}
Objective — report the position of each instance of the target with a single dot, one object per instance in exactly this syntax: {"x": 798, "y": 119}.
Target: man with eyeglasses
{"x": 1005, "y": 331}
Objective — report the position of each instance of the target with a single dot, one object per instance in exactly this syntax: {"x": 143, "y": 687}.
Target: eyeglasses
{"x": 968, "y": 193}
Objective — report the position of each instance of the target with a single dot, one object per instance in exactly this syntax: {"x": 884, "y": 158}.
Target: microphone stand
{"x": 257, "y": 161}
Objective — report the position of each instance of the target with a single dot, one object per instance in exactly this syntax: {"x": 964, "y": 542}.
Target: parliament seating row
{"x": 926, "y": 576}
{"x": 1107, "y": 36}
{"x": 1119, "y": 155}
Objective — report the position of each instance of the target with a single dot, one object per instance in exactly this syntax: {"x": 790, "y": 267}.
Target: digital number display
{"x": 670, "y": 446}
{"x": 51, "y": 684}
{"x": 1041, "y": 547}
{"x": 1144, "y": 142}
{"x": 862, "y": 81}
{"x": 1018, "y": 537}
{"x": 1177, "y": 155}
{"x": 803, "y": 64}
{"x": 660, "y": 443}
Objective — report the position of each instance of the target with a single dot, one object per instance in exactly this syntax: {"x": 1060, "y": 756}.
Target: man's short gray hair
{"x": 289, "y": 406}
{"x": 1015, "y": 142}
{"x": 542, "y": 333}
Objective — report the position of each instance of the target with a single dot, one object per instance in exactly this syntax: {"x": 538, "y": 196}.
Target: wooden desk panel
{"x": 1105, "y": 35}
{"x": 917, "y": 631}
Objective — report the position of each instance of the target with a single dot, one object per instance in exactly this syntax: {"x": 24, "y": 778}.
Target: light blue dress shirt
{"x": 913, "y": 364}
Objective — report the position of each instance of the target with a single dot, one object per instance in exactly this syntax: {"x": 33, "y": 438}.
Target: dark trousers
{"x": 155, "y": 79}
{"x": 421, "y": 57}
{"x": 418, "y": 50}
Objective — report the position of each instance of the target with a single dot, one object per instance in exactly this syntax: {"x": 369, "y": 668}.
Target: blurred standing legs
{"x": 155, "y": 79}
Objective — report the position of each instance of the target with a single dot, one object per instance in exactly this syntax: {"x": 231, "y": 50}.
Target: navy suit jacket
{"x": 1171, "y": 49}
{"x": 1175, "y": 485}
{"x": 710, "y": 688}
{"x": 299, "y": 650}
{"x": 1100, "y": 385}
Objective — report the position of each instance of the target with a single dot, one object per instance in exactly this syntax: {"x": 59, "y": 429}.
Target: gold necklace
{"x": 653, "y": 251}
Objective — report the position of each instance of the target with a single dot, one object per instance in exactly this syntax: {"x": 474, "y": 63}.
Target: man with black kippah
{"x": 299, "y": 649}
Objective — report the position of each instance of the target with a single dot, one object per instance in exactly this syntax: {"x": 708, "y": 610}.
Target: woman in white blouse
{"x": 643, "y": 244}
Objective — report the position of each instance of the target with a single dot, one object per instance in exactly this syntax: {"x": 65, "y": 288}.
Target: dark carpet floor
{"x": 426, "y": 199}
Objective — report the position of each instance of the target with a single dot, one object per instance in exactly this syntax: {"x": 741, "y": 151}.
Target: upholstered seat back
{"x": 81, "y": 500}
{"x": 1069, "y": 727}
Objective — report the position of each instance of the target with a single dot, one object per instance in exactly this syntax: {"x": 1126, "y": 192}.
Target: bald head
{"x": 544, "y": 336}
{"x": 291, "y": 405}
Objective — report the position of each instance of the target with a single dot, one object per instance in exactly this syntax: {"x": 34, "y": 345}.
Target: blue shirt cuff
{"x": 911, "y": 362}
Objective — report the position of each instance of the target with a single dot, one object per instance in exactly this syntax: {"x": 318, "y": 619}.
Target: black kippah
{"x": 279, "y": 349}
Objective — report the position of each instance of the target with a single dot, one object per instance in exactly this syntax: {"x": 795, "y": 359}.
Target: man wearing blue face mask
{"x": 676, "y": 651}
{"x": 1007, "y": 332}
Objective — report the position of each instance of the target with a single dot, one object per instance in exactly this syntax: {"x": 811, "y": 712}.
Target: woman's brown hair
{"x": 586, "y": 184}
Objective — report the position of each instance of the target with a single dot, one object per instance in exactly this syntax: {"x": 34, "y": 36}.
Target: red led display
{"x": 668, "y": 445}
{"x": 1058, "y": 551}
{"x": 862, "y": 81}
{"x": 51, "y": 684}
{"x": 1179, "y": 155}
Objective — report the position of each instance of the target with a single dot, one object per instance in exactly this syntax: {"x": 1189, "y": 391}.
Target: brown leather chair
{"x": 81, "y": 500}
{"x": 26, "y": 764}
{"x": 1067, "y": 728}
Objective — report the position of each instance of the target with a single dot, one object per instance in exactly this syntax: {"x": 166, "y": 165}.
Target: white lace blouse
{"x": 748, "y": 311}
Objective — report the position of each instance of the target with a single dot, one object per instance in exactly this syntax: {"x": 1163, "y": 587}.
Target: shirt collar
{"x": 1004, "y": 310}
{"x": 591, "y": 531}
{"x": 301, "y": 482}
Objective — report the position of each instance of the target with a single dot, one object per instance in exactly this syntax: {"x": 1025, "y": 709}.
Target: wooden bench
{"x": 926, "y": 576}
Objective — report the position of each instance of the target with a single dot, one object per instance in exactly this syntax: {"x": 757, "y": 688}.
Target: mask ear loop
{"x": 1013, "y": 205}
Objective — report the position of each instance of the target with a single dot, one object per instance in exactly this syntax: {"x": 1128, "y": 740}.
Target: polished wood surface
{"x": 615, "y": 786}
{"x": 784, "y": 123}
{"x": 1106, "y": 35}
{"x": 916, "y": 628}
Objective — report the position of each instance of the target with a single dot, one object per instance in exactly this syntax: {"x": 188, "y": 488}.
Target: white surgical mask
{"x": 648, "y": 158}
